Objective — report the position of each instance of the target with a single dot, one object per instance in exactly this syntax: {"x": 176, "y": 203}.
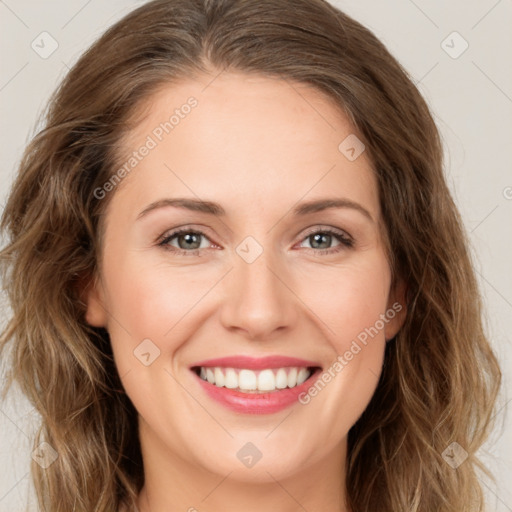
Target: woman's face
{"x": 256, "y": 275}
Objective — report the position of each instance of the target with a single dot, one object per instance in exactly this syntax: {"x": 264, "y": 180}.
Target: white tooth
{"x": 281, "y": 379}
{"x": 247, "y": 380}
{"x": 210, "y": 376}
{"x": 302, "y": 376}
{"x": 231, "y": 379}
{"x": 292, "y": 377}
{"x": 266, "y": 381}
{"x": 219, "y": 378}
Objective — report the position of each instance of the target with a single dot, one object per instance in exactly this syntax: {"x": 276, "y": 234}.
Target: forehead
{"x": 250, "y": 141}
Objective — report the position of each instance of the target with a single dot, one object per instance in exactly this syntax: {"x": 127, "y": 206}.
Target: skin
{"x": 257, "y": 146}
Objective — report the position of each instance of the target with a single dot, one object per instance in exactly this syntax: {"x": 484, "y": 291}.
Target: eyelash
{"x": 345, "y": 241}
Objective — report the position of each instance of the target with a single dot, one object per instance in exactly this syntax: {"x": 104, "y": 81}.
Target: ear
{"x": 396, "y": 310}
{"x": 92, "y": 295}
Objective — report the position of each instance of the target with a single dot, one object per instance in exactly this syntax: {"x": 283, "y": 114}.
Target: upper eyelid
{"x": 171, "y": 233}
{"x": 321, "y": 228}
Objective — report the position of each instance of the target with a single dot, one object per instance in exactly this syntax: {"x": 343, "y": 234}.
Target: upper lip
{"x": 256, "y": 363}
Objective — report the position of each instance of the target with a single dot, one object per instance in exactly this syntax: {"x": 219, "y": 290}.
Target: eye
{"x": 188, "y": 241}
{"x": 320, "y": 239}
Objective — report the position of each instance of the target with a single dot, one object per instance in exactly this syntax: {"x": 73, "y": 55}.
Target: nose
{"x": 258, "y": 300}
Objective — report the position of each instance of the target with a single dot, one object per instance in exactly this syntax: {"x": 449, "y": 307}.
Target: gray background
{"x": 470, "y": 96}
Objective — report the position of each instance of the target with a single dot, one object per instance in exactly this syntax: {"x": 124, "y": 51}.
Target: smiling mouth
{"x": 255, "y": 381}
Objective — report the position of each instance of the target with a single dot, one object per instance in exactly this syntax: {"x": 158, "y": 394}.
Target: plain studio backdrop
{"x": 457, "y": 52}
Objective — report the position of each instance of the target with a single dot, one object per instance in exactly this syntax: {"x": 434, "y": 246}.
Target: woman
{"x": 320, "y": 343}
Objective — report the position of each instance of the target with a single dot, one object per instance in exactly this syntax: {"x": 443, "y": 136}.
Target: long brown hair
{"x": 440, "y": 376}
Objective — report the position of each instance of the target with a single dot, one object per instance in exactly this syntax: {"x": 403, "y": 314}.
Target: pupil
{"x": 189, "y": 238}
{"x": 317, "y": 238}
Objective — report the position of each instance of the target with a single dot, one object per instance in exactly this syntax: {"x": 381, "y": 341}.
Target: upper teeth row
{"x": 263, "y": 380}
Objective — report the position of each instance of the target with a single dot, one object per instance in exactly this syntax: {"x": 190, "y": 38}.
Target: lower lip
{"x": 257, "y": 403}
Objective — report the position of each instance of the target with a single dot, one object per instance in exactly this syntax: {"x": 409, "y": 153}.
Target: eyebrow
{"x": 216, "y": 209}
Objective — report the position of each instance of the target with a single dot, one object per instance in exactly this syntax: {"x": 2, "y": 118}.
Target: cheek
{"x": 157, "y": 301}
{"x": 347, "y": 299}
{"x": 148, "y": 301}
{"x": 351, "y": 302}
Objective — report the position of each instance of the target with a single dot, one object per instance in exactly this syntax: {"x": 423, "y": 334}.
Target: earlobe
{"x": 396, "y": 311}
{"x": 93, "y": 297}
